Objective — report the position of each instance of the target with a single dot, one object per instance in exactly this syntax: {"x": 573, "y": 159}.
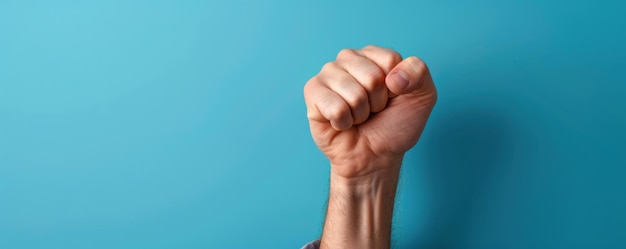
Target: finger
{"x": 352, "y": 92}
{"x": 368, "y": 74}
{"x": 324, "y": 105}
{"x": 407, "y": 76}
{"x": 385, "y": 58}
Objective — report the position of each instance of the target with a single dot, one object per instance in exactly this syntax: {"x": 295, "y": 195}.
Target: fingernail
{"x": 402, "y": 81}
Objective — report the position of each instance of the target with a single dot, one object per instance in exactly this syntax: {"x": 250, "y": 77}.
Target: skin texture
{"x": 365, "y": 110}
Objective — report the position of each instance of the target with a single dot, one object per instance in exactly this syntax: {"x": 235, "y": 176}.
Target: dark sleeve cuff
{"x": 312, "y": 245}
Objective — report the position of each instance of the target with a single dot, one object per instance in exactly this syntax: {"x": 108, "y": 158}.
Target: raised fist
{"x": 367, "y": 108}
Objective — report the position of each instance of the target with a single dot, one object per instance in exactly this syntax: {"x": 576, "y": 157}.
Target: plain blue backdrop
{"x": 181, "y": 124}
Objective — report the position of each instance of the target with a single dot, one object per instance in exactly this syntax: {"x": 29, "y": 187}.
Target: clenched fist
{"x": 367, "y": 108}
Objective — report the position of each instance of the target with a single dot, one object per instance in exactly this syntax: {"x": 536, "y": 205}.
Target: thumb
{"x": 407, "y": 76}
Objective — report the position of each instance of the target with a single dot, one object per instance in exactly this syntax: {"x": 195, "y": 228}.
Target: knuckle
{"x": 346, "y": 53}
{"x": 357, "y": 99}
{"x": 391, "y": 58}
{"x": 371, "y": 46}
{"x": 341, "y": 80}
{"x": 329, "y": 66}
{"x": 311, "y": 96}
{"x": 337, "y": 112}
{"x": 311, "y": 91}
{"x": 307, "y": 87}
{"x": 372, "y": 77}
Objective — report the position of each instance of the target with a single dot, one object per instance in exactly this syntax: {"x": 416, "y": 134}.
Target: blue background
{"x": 181, "y": 124}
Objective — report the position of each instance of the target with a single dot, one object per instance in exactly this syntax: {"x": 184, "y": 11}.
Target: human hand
{"x": 367, "y": 108}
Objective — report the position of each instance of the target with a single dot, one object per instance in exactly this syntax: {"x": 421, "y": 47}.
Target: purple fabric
{"x": 312, "y": 245}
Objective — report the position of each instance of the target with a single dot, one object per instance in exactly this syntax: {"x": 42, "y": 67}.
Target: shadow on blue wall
{"x": 468, "y": 150}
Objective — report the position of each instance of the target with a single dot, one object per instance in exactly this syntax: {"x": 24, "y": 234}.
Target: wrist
{"x": 357, "y": 170}
{"x": 364, "y": 184}
{"x": 361, "y": 208}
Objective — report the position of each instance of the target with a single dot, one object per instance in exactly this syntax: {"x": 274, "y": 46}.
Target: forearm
{"x": 366, "y": 107}
{"x": 360, "y": 210}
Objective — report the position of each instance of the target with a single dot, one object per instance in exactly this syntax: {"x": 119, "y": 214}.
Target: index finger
{"x": 385, "y": 58}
